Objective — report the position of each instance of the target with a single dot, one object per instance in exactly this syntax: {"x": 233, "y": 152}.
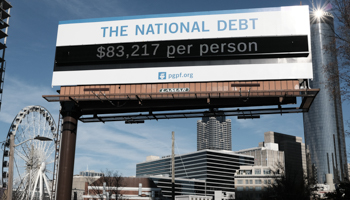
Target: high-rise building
{"x": 5, "y": 7}
{"x": 294, "y": 151}
{"x": 214, "y": 133}
{"x": 285, "y": 149}
{"x": 279, "y": 153}
{"x": 323, "y": 124}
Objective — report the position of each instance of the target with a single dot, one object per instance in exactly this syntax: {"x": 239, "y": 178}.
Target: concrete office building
{"x": 266, "y": 154}
{"x": 294, "y": 151}
{"x": 182, "y": 186}
{"x": 323, "y": 124}
{"x": 280, "y": 148}
{"x": 214, "y": 133}
{"x": 78, "y": 185}
{"x": 143, "y": 188}
{"x": 277, "y": 150}
{"x": 132, "y": 189}
{"x": 217, "y": 168}
{"x": 251, "y": 181}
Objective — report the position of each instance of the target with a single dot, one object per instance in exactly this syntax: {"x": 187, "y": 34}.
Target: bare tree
{"x": 339, "y": 70}
{"x": 341, "y": 192}
{"x": 341, "y": 12}
{"x": 285, "y": 187}
{"x": 108, "y": 186}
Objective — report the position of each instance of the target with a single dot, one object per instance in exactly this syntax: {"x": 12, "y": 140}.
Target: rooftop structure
{"x": 266, "y": 154}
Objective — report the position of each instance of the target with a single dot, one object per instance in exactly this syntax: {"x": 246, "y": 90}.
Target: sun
{"x": 320, "y": 12}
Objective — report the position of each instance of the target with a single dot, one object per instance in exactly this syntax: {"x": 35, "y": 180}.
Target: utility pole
{"x": 172, "y": 166}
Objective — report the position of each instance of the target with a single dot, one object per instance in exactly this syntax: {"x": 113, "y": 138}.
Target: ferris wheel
{"x": 33, "y": 131}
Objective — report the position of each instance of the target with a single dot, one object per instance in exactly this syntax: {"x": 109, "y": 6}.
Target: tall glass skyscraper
{"x": 214, "y": 133}
{"x": 323, "y": 124}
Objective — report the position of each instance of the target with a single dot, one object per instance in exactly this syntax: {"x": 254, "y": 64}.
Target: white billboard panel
{"x": 249, "y": 44}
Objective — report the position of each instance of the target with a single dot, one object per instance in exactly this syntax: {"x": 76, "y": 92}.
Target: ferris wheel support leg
{"x": 70, "y": 117}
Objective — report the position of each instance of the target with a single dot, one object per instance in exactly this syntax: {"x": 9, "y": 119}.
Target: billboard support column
{"x": 172, "y": 166}
{"x": 70, "y": 114}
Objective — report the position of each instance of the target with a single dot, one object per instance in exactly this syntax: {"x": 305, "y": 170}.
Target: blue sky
{"x": 114, "y": 145}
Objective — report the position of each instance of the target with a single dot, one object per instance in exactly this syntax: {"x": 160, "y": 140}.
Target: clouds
{"x": 19, "y": 94}
{"x": 77, "y": 9}
{"x": 121, "y": 146}
{"x": 287, "y": 123}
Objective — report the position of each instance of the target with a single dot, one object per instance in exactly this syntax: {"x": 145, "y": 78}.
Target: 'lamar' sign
{"x": 174, "y": 90}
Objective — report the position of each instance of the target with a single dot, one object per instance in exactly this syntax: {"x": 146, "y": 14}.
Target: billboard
{"x": 231, "y": 45}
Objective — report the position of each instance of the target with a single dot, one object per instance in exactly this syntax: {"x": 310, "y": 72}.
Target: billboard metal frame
{"x": 137, "y": 107}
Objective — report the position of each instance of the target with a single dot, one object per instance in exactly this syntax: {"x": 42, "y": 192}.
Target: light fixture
{"x": 42, "y": 138}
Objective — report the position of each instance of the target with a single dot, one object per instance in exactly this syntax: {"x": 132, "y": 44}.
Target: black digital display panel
{"x": 178, "y": 50}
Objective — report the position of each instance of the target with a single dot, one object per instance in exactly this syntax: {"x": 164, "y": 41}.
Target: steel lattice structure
{"x": 33, "y": 158}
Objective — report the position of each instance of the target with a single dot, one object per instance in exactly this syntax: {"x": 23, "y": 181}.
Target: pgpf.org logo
{"x": 161, "y": 75}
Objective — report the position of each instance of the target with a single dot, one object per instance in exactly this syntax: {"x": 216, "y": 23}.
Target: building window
{"x": 265, "y": 181}
{"x": 257, "y": 171}
{"x": 239, "y": 181}
{"x": 239, "y": 188}
{"x": 257, "y": 181}
{"x": 267, "y": 171}
{"x": 269, "y": 181}
{"x": 251, "y": 188}
{"x": 251, "y": 181}
{"x": 258, "y": 188}
{"x": 246, "y": 182}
